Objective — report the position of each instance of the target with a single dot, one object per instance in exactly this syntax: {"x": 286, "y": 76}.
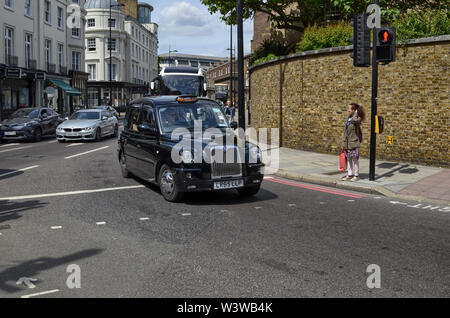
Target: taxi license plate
{"x": 231, "y": 184}
{"x": 10, "y": 133}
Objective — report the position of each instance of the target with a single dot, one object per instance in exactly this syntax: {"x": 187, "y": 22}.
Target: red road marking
{"x": 316, "y": 188}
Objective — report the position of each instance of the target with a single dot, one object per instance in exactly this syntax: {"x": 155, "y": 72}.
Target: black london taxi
{"x": 185, "y": 144}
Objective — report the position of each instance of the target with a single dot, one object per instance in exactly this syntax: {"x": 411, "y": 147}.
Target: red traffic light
{"x": 385, "y": 37}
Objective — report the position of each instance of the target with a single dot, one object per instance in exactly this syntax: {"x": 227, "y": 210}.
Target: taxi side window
{"x": 148, "y": 117}
{"x": 134, "y": 119}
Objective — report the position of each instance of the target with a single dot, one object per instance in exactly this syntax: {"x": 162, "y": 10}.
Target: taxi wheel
{"x": 168, "y": 185}
{"x": 123, "y": 166}
{"x": 250, "y": 191}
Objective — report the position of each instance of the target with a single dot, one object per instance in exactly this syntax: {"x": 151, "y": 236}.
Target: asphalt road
{"x": 63, "y": 204}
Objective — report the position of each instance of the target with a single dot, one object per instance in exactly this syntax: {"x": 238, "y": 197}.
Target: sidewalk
{"x": 399, "y": 180}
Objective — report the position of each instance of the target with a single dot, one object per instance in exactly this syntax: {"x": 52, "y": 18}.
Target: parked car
{"x": 30, "y": 124}
{"x": 110, "y": 109}
{"x": 89, "y": 124}
{"x": 188, "y": 162}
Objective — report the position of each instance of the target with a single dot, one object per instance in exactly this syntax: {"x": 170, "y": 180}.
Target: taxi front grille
{"x": 225, "y": 163}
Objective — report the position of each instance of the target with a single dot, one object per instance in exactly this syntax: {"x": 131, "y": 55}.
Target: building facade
{"x": 121, "y": 54}
{"x": 198, "y": 61}
{"x": 38, "y": 49}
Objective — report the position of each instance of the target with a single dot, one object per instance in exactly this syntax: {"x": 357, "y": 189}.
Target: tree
{"x": 298, "y": 14}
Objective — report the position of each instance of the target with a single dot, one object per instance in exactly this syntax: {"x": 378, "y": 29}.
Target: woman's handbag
{"x": 342, "y": 165}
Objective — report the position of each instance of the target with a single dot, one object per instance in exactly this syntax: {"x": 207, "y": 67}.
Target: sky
{"x": 188, "y": 27}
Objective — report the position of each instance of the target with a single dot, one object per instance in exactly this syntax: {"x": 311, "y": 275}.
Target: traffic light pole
{"x": 373, "y": 136}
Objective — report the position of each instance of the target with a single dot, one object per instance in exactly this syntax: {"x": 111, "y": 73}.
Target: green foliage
{"x": 271, "y": 47}
{"x": 265, "y": 59}
{"x": 319, "y": 37}
{"x": 427, "y": 23}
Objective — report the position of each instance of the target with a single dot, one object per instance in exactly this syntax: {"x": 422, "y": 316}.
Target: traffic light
{"x": 361, "y": 40}
{"x": 386, "y": 44}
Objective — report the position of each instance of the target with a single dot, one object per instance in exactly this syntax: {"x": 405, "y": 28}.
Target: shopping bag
{"x": 342, "y": 165}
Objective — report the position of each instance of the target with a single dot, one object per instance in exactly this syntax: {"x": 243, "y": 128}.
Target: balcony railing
{"x": 31, "y": 64}
{"x": 12, "y": 60}
{"x": 51, "y": 68}
{"x": 63, "y": 70}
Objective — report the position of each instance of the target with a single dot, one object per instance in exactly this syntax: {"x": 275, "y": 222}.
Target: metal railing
{"x": 11, "y": 60}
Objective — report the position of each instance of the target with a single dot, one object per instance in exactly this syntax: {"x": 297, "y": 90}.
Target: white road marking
{"x": 186, "y": 214}
{"x": 20, "y": 148}
{"x": 268, "y": 177}
{"x": 74, "y": 145}
{"x": 292, "y": 204}
{"x": 87, "y": 152}
{"x": 144, "y": 219}
{"x": 377, "y": 198}
{"x": 350, "y": 200}
{"x": 322, "y": 203}
{"x": 52, "y": 142}
{"x": 9, "y": 145}
{"x": 47, "y": 195}
{"x": 56, "y": 227}
{"x": 41, "y": 293}
{"x": 100, "y": 223}
{"x": 258, "y": 207}
{"x": 12, "y": 172}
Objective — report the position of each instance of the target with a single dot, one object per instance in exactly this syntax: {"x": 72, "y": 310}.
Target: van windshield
{"x": 181, "y": 85}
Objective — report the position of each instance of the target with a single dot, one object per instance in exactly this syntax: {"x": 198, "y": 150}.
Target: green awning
{"x": 66, "y": 87}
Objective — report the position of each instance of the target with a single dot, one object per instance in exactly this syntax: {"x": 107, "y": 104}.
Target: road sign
{"x": 390, "y": 140}
{"x": 13, "y": 72}
{"x": 40, "y": 76}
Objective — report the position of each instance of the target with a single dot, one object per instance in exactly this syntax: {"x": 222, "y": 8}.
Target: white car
{"x": 91, "y": 124}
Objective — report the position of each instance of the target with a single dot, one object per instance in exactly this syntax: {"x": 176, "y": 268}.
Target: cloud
{"x": 184, "y": 19}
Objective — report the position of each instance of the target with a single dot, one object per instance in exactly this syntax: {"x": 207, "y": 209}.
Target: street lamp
{"x": 110, "y": 46}
{"x": 241, "y": 94}
{"x": 231, "y": 67}
{"x": 171, "y": 51}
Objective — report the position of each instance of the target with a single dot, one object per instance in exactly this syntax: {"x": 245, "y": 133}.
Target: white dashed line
{"x": 20, "y": 148}
{"x": 268, "y": 178}
{"x": 52, "y": 142}
{"x": 9, "y": 145}
{"x": 47, "y": 195}
{"x": 100, "y": 223}
{"x": 74, "y": 145}
{"x": 87, "y": 152}
{"x": 41, "y": 293}
{"x": 350, "y": 200}
{"x": 56, "y": 227}
{"x": 186, "y": 214}
{"x": 292, "y": 204}
{"x": 144, "y": 219}
{"x": 13, "y": 172}
{"x": 258, "y": 207}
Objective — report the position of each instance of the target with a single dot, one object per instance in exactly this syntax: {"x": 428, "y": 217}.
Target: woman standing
{"x": 352, "y": 141}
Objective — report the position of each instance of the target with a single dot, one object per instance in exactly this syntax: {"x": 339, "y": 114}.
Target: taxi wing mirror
{"x": 147, "y": 129}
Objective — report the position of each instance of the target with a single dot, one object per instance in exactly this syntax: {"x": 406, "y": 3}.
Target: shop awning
{"x": 66, "y": 87}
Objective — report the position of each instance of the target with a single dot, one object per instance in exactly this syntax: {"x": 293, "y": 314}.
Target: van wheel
{"x": 167, "y": 184}
{"x": 123, "y": 166}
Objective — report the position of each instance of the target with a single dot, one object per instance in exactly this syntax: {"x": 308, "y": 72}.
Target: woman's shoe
{"x": 354, "y": 179}
{"x": 347, "y": 178}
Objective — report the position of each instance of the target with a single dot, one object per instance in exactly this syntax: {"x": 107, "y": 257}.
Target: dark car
{"x": 185, "y": 144}
{"x": 30, "y": 124}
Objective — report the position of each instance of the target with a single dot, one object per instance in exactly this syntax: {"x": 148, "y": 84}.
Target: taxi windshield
{"x": 185, "y": 115}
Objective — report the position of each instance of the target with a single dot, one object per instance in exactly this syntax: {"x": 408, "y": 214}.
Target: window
{"x": 28, "y": 49}
{"x": 28, "y": 8}
{"x": 76, "y": 61}
{"x": 92, "y": 70}
{"x": 91, "y": 23}
{"x": 111, "y": 45}
{"x": 112, "y": 72}
{"x": 48, "y": 52}
{"x": 9, "y": 4}
{"x": 111, "y": 23}
{"x": 60, "y": 18}
{"x": 76, "y": 32}
{"x": 132, "y": 49}
{"x": 9, "y": 44}
{"x": 148, "y": 117}
{"x": 47, "y": 12}
{"x": 60, "y": 56}
{"x": 133, "y": 121}
{"x": 92, "y": 45}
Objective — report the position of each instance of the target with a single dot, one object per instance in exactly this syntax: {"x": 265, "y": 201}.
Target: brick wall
{"x": 308, "y": 94}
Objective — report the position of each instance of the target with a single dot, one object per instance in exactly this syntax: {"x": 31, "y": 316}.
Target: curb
{"x": 375, "y": 190}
